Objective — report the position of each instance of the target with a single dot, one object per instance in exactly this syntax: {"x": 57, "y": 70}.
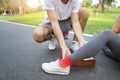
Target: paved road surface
{"x": 21, "y": 58}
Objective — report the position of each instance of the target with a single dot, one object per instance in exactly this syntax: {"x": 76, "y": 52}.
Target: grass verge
{"x": 95, "y": 24}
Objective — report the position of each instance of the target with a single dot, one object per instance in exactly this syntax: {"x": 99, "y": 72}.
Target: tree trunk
{"x": 21, "y": 7}
{"x": 103, "y": 9}
{"x": 4, "y": 12}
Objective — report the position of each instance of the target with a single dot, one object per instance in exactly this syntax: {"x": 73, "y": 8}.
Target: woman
{"x": 108, "y": 37}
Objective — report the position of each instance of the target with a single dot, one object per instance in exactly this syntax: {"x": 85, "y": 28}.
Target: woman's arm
{"x": 116, "y": 26}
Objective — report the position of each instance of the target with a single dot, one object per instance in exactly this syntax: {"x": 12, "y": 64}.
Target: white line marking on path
{"x": 17, "y": 23}
{"x": 88, "y": 35}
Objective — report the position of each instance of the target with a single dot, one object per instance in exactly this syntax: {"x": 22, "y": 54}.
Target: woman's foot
{"x": 55, "y": 68}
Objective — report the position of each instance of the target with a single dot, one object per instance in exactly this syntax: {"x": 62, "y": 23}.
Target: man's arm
{"x": 58, "y": 33}
{"x": 77, "y": 28}
{"x": 55, "y": 26}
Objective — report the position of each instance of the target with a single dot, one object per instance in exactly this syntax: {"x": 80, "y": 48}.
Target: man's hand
{"x": 82, "y": 42}
{"x": 65, "y": 52}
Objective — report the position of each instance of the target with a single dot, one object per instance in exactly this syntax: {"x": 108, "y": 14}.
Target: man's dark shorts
{"x": 64, "y": 25}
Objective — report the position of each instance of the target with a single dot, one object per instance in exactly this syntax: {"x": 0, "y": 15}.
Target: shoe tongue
{"x": 76, "y": 44}
{"x": 55, "y": 62}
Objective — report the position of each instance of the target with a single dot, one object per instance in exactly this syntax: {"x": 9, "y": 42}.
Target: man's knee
{"x": 39, "y": 34}
{"x": 83, "y": 12}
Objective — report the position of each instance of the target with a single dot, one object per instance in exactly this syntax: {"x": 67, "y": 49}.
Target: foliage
{"x": 109, "y": 2}
{"x": 0, "y": 11}
{"x": 17, "y": 6}
{"x": 86, "y": 3}
{"x": 101, "y": 21}
{"x": 105, "y": 2}
{"x": 95, "y": 24}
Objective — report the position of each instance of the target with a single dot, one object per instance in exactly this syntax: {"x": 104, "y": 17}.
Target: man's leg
{"x": 83, "y": 18}
{"x": 41, "y": 34}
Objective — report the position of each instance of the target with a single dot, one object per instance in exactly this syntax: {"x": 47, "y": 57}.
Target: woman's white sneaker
{"x": 55, "y": 68}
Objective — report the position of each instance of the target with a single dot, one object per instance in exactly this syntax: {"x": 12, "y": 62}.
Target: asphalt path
{"x": 21, "y": 58}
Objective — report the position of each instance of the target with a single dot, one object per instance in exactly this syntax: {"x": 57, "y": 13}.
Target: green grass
{"x": 95, "y": 24}
{"x": 32, "y": 18}
{"x": 102, "y": 21}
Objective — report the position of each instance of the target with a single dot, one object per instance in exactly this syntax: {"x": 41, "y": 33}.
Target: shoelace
{"x": 52, "y": 62}
{"x": 76, "y": 44}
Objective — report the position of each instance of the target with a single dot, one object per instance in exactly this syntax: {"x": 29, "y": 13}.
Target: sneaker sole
{"x": 52, "y": 49}
{"x": 59, "y": 73}
{"x": 85, "y": 63}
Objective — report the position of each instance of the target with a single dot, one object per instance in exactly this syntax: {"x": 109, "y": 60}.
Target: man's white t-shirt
{"x": 63, "y": 10}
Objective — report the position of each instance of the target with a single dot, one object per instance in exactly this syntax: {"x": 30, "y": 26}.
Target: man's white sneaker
{"x": 55, "y": 68}
{"x": 75, "y": 46}
{"x": 52, "y": 43}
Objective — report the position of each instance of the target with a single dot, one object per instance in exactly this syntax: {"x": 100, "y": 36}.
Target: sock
{"x": 65, "y": 62}
{"x": 65, "y": 35}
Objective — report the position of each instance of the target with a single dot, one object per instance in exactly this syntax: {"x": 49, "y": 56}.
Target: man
{"x": 62, "y": 16}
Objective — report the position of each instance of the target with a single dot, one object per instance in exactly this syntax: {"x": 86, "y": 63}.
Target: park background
{"x": 102, "y": 13}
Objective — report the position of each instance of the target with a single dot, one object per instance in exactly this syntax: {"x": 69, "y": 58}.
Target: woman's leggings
{"x": 92, "y": 47}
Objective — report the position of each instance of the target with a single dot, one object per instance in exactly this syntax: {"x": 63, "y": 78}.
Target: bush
{"x": 86, "y": 4}
{"x": 0, "y": 11}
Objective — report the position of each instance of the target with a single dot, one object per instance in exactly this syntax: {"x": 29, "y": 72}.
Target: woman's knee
{"x": 108, "y": 33}
{"x": 39, "y": 34}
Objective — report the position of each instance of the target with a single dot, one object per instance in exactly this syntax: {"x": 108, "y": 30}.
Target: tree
{"x": 4, "y": 6}
{"x": 102, "y": 5}
{"x": 86, "y": 3}
{"x": 21, "y": 7}
{"x": 8, "y": 5}
{"x": 103, "y": 2}
{"x": 1, "y": 4}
